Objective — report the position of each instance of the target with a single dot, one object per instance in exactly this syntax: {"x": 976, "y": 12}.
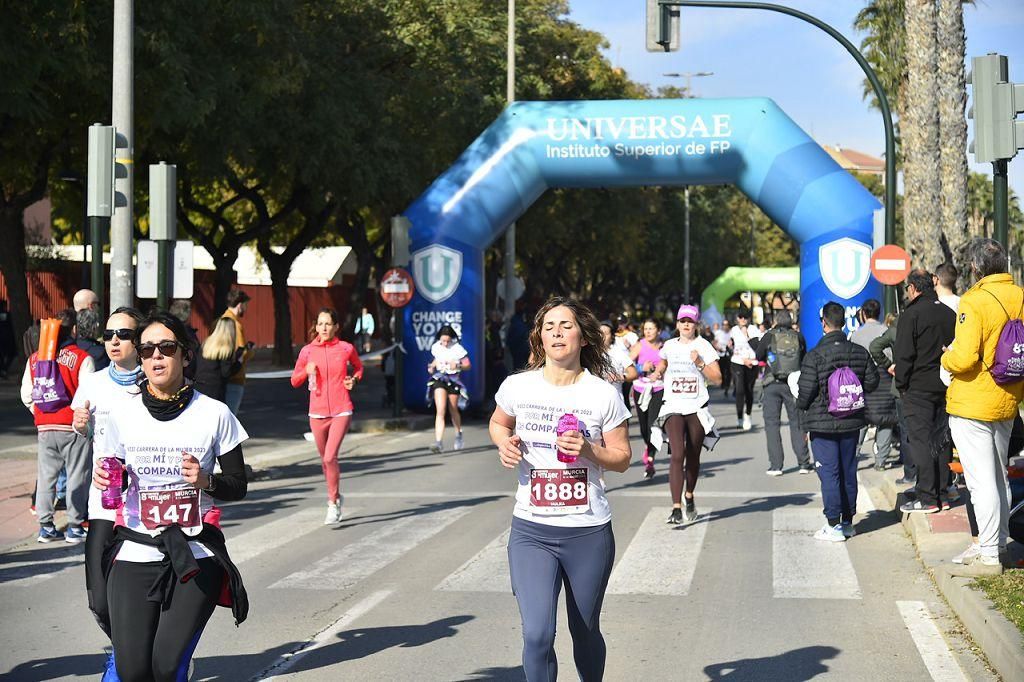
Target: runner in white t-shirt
{"x": 687, "y": 363}
{"x": 445, "y": 389}
{"x": 561, "y": 425}
{"x": 623, "y": 369}
{"x": 744, "y": 366}
{"x": 98, "y": 395}
{"x": 170, "y": 562}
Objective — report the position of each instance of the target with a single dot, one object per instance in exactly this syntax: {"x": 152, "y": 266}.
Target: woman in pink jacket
{"x": 323, "y": 366}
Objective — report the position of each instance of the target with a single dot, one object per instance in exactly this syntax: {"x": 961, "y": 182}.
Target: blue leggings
{"x": 541, "y": 558}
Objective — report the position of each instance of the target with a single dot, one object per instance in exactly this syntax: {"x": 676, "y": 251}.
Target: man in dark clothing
{"x": 881, "y": 352}
{"x": 88, "y": 333}
{"x": 834, "y": 439}
{"x": 925, "y": 328}
{"x": 783, "y": 350}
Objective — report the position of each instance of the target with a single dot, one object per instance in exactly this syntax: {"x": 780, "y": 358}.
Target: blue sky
{"x": 808, "y": 73}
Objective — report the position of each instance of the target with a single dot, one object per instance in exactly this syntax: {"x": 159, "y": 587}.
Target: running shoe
{"x": 458, "y": 441}
{"x": 987, "y": 564}
{"x": 807, "y": 469}
{"x": 333, "y": 514}
{"x": 649, "y": 471}
{"x": 49, "y": 534}
{"x": 831, "y": 533}
{"x": 848, "y": 530}
{"x": 676, "y": 517}
{"x": 878, "y": 466}
{"x": 75, "y": 535}
{"x": 944, "y": 505}
{"x": 690, "y": 515}
{"x": 917, "y": 506}
{"x": 436, "y": 447}
{"x": 110, "y": 670}
{"x": 746, "y": 423}
{"x": 968, "y": 555}
{"x": 774, "y": 472}
{"x": 903, "y": 480}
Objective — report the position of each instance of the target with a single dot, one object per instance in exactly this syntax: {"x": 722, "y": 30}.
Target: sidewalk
{"x": 938, "y": 538}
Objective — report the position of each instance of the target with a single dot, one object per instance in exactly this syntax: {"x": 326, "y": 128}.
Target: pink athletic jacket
{"x": 332, "y": 359}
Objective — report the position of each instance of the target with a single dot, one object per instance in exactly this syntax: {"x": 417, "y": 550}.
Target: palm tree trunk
{"x": 920, "y": 129}
{"x": 952, "y": 95}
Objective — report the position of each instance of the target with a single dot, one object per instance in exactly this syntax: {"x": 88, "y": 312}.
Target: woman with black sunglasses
{"x": 98, "y": 395}
{"x": 168, "y": 566}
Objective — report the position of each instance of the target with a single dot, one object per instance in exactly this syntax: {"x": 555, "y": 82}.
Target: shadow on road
{"x": 515, "y": 674}
{"x": 797, "y": 665}
{"x": 56, "y": 667}
{"x": 430, "y": 508}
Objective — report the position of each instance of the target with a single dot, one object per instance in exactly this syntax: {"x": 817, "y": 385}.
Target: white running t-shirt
{"x": 686, "y": 391}
{"x": 741, "y": 348}
{"x": 104, "y": 395}
{"x": 537, "y": 405}
{"x": 620, "y": 363}
{"x": 152, "y": 450}
{"x": 447, "y": 359}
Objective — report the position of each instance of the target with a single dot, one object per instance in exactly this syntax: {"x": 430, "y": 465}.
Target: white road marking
{"x": 486, "y": 571}
{"x": 279, "y": 532}
{"x": 660, "y": 559}
{"x": 42, "y": 566}
{"x": 701, "y": 494}
{"x": 352, "y": 563}
{"x": 935, "y": 653}
{"x": 805, "y": 568}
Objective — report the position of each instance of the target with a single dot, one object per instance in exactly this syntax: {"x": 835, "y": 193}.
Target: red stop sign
{"x": 396, "y": 287}
{"x": 890, "y": 264}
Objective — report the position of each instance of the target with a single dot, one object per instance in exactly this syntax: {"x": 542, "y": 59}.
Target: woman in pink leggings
{"x": 323, "y": 366}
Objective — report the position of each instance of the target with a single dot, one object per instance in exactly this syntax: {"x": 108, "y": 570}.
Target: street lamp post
{"x": 510, "y": 96}
{"x": 688, "y": 75}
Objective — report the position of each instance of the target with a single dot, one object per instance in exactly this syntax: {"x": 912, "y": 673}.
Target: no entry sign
{"x": 396, "y": 287}
{"x": 890, "y": 264}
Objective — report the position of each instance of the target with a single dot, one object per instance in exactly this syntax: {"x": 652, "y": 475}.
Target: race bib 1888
{"x": 162, "y": 508}
{"x": 559, "y": 491}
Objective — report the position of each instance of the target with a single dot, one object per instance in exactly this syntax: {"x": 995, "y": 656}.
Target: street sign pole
{"x": 163, "y": 226}
{"x": 1000, "y": 200}
{"x": 399, "y": 259}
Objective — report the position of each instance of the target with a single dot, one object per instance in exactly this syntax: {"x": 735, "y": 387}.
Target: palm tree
{"x": 952, "y": 94}
{"x": 882, "y": 21}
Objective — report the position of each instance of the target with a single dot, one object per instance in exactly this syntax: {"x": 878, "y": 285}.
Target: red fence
{"x": 52, "y": 290}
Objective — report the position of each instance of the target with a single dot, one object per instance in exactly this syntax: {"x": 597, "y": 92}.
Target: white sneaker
{"x": 458, "y": 441}
{"x": 848, "y": 530}
{"x": 436, "y": 447}
{"x": 831, "y": 533}
{"x": 774, "y": 472}
{"x": 746, "y": 422}
{"x": 333, "y": 514}
{"x": 968, "y": 555}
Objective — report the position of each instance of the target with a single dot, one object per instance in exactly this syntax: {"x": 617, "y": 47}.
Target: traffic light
{"x": 662, "y": 27}
{"x": 100, "y": 183}
{"x": 995, "y": 104}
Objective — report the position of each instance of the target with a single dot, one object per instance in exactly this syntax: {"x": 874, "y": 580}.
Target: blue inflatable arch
{"x": 534, "y": 146}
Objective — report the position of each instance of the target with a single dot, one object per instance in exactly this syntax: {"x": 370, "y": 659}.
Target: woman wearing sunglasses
{"x": 322, "y": 366}
{"x": 169, "y": 566}
{"x": 98, "y": 394}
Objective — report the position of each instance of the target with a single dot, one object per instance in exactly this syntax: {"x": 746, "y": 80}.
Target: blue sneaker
{"x": 75, "y": 535}
{"x": 109, "y": 671}
{"x": 49, "y": 534}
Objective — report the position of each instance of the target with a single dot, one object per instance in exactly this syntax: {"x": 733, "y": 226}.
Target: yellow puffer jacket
{"x": 973, "y": 393}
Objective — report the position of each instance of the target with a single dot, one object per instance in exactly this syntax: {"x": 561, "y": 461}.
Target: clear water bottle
{"x": 312, "y": 383}
{"x": 111, "y": 497}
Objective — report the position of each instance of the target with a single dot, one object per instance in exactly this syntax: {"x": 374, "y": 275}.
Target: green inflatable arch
{"x": 734, "y": 279}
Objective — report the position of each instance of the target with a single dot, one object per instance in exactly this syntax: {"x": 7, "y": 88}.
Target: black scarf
{"x": 166, "y": 410}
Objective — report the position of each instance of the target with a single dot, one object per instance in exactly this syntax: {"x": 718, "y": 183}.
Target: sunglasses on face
{"x": 167, "y": 348}
{"x": 123, "y": 334}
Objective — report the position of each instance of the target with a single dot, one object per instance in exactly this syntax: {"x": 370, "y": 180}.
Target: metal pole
{"x": 1000, "y": 201}
{"x": 399, "y": 360}
{"x": 883, "y": 101}
{"x": 510, "y": 96}
{"x": 161, "y": 273}
{"x": 98, "y": 226}
{"x": 122, "y": 290}
{"x": 686, "y": 243}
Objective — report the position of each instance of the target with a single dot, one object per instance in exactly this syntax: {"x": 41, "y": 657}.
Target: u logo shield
{"x": 845, "y": 265}
{"x": 437, "y": 271}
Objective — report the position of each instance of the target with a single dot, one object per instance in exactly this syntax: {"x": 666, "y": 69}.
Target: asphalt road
{"x": 414, "y": 584}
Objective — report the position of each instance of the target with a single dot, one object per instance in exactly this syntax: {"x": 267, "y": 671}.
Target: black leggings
{"x": 646, "y": 418}
{"x": 685, "y": 438}
{"x": 743, "y": 378}
{"x": 101, "y": 534}
{"x": 152, "y": 642}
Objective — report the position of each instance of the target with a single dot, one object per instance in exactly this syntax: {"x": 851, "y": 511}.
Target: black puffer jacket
{"x": 831, "y": 353}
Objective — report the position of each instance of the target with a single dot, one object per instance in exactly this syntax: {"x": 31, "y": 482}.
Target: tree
{"x": 921, "y": 215}
{"x": 883, "y": 48}
{"x": 952, "y": 95}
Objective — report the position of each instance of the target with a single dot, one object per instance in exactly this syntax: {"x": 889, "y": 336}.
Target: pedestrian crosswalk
{"x": 660, "y": 559}
{"x": 806, "y": 568}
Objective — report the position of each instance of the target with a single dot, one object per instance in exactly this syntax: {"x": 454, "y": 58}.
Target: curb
{"x": 999, "y": 639}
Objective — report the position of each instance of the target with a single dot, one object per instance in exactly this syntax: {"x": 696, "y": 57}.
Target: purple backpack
{"x": 49, "y": 393}
{"x": 845, "y": 393}
{"x": 1008, "y": 366}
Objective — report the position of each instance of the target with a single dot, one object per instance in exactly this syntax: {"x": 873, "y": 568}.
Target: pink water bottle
{"x": 111, "y": 497}
{"x": 312, "y": 383}
{"x": 567, "y": 422}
